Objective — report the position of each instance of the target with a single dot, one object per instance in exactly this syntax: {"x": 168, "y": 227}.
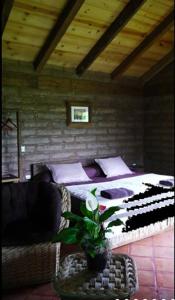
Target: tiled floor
{"x": 154, "y": 257}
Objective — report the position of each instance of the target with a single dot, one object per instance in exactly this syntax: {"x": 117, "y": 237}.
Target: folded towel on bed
{"x": 116, "y": 193}
{"x": 167, "y": 182}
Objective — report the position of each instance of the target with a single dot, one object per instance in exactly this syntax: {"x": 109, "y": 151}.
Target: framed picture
{"x": 78, "y": 114}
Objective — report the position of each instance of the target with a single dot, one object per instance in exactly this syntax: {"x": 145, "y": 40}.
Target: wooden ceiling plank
{"x": 6, "y": 9}
{"x": 57, "y": 32}
{"x": 144, "y": 45}
{"x": 167, "y": 59}
{"x": 111, "y": 32}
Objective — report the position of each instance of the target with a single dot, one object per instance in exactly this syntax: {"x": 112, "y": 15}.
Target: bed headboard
{"x": 41, "y": 166}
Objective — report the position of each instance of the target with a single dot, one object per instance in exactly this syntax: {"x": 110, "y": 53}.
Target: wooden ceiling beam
{"x": 111, "y": 32}
{"x": 57, "y": 32}
{"x": 166, "y": 60}
{"x": 6, "y": 9}
{"x": 145, "y": 44}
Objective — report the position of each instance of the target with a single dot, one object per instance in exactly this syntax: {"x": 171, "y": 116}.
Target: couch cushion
{"x": 31, "y": 212}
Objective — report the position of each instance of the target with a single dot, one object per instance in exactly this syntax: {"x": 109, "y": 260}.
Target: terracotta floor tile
{"x": 122, "y": 249}
{"x": 165, "y": 280}
{"x": 145, "y": 263}
{"x": 45, "y": 289}
{"x": 41, "y": 297}
{"x": 163, "y": 252}
{"x": 167, "y": 233}
{"x": 68, "y": 249}
{"x": 148, "y": 293}
{"x": 146, "y": 278}
{"x": 166, "y": 239}
{"x": 16, "y": 296}
{"x": 164, "y": 264}
{"x": 167, "y": 294}
{"x": 140, "y": 250}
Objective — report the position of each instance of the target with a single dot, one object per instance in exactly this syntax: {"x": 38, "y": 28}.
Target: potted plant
{"x": 89, "y": 232}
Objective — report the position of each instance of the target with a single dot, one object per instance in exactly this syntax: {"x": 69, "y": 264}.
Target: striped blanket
{"x": 147, "y": 212}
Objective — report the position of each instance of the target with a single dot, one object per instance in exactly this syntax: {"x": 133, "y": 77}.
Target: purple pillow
{"x": 93, "y": 171}
{"x": 113, "y": 166}
{"x": 65, "y": 173}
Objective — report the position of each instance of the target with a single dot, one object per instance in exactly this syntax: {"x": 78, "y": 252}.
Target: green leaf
{"x": 108, "y": 230}
{"x": 92, "y": 227}
{"x": 86, "y": 237}
{"x": 96, "y": 215}
{"x": 83, "y": 208}
{"x": 67, "y": 236}
{"x": 85, "y": 211}
{"x": 91, "y": 252}
{"x": 93, "y": 192}
{"x": 108, "y": 213}
{"x": 71, "y": 216}
{"x": 115, "y": 223}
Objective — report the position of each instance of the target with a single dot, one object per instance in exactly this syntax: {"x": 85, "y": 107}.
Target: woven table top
{"x": 118, "y": 280}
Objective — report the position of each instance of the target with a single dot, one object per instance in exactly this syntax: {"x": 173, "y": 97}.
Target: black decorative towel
{"x": 116, "y": 193}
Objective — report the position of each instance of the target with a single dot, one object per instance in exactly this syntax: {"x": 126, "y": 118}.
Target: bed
{"x": 147, "y": 212}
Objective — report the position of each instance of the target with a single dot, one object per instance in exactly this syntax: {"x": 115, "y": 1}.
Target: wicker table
{"x": 117, "y": 281}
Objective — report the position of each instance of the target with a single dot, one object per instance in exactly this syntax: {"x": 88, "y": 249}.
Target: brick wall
{"x": 159, "y": 123}
{"x": 117, "y": 116}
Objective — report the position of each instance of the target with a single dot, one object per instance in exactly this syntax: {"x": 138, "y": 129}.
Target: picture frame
{"x": 78, "y": 114}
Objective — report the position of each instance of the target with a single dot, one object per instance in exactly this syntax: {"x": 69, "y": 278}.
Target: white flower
{"x": 91, "y": 202}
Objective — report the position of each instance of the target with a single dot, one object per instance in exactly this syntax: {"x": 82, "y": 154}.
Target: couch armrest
{"x": 65, "y": 205}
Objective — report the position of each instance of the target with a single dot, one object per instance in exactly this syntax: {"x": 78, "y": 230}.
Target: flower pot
{"x": 97, "y": 263}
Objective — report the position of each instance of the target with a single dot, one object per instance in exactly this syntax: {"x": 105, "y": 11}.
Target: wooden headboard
{"x": 41, "y": 166}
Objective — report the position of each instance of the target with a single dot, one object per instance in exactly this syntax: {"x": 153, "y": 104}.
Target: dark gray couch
{"x": 31, "y": 212}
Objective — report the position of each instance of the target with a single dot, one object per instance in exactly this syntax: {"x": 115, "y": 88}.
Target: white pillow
{"x": 64, "y": 173}
{"x": 113, "y": 166}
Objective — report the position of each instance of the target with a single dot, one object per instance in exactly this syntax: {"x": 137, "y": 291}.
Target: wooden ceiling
{"x": 132, "y": 38}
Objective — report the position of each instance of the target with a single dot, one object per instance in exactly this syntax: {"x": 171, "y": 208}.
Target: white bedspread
{"x": 136, "y": 184}
{"x": 133, "y": 183}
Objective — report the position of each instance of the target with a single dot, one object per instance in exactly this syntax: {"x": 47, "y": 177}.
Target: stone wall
{"x": 117, "y": 116}
{"x": 159, "y": 123}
